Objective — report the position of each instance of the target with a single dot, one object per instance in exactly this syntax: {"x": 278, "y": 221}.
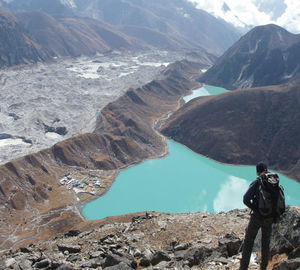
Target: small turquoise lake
{"x": 183, "y": 181}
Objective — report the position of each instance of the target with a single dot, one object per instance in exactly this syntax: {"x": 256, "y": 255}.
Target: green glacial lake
{"x": 183, "y": 181}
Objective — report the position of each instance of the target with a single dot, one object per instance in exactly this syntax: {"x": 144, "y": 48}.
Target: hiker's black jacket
{"x": 251, "y": 196}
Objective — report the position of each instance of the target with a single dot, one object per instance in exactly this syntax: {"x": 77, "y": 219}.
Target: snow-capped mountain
{"x": 250, "y": 13}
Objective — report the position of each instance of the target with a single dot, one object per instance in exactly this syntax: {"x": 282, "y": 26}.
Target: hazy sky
{"x": 285, "y": 13}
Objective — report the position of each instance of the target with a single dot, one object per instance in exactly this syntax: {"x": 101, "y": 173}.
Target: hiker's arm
{"x": 250, "y": 195}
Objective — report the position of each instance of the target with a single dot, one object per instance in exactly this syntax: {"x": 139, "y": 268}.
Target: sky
{"x": 285, "y": 13}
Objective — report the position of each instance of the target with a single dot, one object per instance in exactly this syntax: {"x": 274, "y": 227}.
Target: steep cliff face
{"x": 243, "y": 127}
{"x": 30, "y": 193}
{"x": 267, "y": 55}
{"x": 16, "y": 46}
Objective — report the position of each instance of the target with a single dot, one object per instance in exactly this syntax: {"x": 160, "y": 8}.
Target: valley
{"x": 34, "y": 205}
{"x": 44, "y": 103}
{"x": 93, "y": 89}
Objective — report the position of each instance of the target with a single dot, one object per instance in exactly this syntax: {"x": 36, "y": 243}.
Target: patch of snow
{"x": 53, "y": 135}
{"x": 10, "y": 142}
{"x": 68, "y": 3}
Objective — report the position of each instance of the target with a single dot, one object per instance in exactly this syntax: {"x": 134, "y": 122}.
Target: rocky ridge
{"x": 161, "y": 241}
{"x": 33, "y": 203}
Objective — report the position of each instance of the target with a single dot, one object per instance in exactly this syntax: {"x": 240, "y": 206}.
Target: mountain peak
{"x": 266, "y": 55}
{"x": 225, "y": 7}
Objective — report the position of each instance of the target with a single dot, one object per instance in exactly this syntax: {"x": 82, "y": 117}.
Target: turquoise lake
{"x": 183, "y": 181}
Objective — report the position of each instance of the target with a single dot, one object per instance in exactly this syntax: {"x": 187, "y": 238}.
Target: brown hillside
{"x": 244, "y": 127}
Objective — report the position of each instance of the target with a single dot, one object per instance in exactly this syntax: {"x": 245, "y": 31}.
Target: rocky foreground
{"x": 161, "y": 241}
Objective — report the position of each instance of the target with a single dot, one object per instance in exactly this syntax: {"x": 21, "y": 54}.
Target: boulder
{"x": 184, "y": 246}
{"x": 114, "y": 259}
{"x": 288, "y": 265}
{"x": 42, "y": 264}
{"x": 120, "y": 266}
{"x": 10, "y": 262}
{"x": 92, "y": 264}
{"x": 195, "y": 256}
{"x": 230, "y": 244}
{"x": 72, "y": 233}
{"x": 295, "y": 253}
{"x": 69, "y": 248}
{"x": 25, "y": 265}
{"x": 160, "y": 256}
{"x": 286, "y": 233}
{"x": 146, "y": 258}
{"x": 164, "y": 265}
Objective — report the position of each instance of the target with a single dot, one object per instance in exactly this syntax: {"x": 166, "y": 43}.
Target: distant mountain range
{"x": 244, "y": 127}
{"x": 169, "y": 24}
{"x": 266, "y": 55}
{"x": 177, "y": 19}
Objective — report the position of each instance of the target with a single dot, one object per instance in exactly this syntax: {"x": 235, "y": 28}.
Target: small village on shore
{"x": 87, "y": 185}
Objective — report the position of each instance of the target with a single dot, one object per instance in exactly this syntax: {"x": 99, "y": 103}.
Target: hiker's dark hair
{"x": 261, "y": 167}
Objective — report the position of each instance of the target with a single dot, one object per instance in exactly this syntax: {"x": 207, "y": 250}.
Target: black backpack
{"x": 271, "y": 200}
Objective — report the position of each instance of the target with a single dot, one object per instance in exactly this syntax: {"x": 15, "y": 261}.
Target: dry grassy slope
{"x": 124, "y": 136}
{"x": 244, "y": 127}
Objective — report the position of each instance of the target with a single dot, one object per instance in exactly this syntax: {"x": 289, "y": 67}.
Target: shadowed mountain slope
{"x": 267, "y": 55}
{"x": 16, "y": 46}
{"x": 73, "y": 36}
{"x": 244, "y": 127}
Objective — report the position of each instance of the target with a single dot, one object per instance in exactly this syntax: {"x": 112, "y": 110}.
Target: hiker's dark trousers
{"x": 266, "y": 229}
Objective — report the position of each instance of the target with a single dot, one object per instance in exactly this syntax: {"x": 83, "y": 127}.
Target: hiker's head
{"x": 261, "y": 167}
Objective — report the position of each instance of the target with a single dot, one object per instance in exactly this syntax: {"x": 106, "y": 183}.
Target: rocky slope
{"x": 33, "y": 203}
{"x": 160, "y": 241}
{"x": 16, "y": 46}
{"x": 267, "y": 55}
{"x": 243, "y": 127}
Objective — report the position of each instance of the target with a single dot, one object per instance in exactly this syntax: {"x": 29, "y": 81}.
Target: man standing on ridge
{"x": 258, "y": 219}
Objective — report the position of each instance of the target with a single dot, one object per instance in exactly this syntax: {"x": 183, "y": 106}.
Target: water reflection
{"x": 230, "y": 195}
{"x": 181, "y": 182}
